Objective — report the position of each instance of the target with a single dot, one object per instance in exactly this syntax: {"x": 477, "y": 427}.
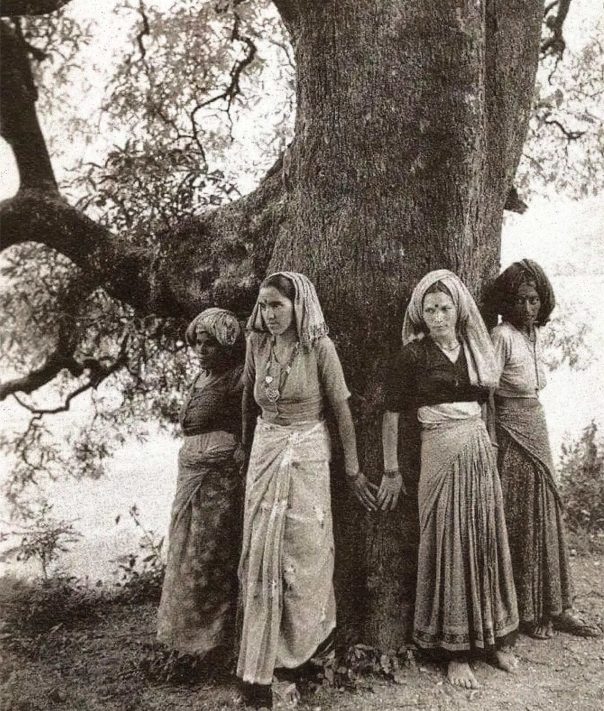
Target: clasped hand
{"x": 384, "y": 497}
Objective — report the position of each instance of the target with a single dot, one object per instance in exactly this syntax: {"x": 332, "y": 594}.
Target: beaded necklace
{"x": 272, "y": 387}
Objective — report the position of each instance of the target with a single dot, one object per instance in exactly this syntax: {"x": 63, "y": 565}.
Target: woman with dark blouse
{"x": 198, "y": 603}
{"x": 465, "y": 599}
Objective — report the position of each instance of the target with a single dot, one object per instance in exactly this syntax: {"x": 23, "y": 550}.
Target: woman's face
{"x": 440, "y": 316}
{"x": 276, "y": 309}
{"x": 209, "y": 351}
{"x": 526, "y": 306}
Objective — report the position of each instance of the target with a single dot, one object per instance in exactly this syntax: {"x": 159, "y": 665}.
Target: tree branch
{"x": 19, "y": 124}
{"x": 15, "y": 8}
{"x": 555, "y": 43}
{"x": 53, "y": 365}
{"x": 213, "y": 258}
{"x": 570, "y": 135}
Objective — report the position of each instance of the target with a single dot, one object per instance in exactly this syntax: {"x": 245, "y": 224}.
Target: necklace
{"x": 272, "y": 387}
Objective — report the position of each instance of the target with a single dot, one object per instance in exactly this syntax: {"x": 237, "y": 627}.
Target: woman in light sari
{"x": 293, "y": 374}
{"x": 199, "y": 595}
{"x": 465, "y": 602}
{"x": 523, "y": 295}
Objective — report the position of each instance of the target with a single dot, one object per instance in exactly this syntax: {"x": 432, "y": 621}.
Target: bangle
{"x": 353, "y": 475}
{"x": 391, "y": 473}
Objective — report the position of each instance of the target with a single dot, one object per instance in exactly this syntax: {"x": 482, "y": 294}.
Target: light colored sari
{"x": 287, "y": 559}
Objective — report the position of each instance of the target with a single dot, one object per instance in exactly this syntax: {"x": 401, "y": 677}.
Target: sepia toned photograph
{"x": 301, "y": 355}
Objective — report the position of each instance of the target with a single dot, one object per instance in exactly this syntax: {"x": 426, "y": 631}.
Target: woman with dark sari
{"x": 465, "y": 602}
{"x": 198, "y": 602}
{"x": 524, "y": 297}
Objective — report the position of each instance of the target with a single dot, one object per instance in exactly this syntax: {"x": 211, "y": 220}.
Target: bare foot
{"x": 505, "y": 659}
{"x": 543, "y": 630}
{"x": 460, "y": 674}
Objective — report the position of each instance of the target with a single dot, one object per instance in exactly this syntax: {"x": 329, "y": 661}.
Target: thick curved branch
{"x": 53, "y": 365}
{"x": 19, "y": 124}
{"x": 16, "y": 8}
{"x": 214, "y": 258}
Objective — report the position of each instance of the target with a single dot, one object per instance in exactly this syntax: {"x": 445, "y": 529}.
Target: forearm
{"x": 248, "y": 417}
{"x": 390, "y": 440}
{"x": 347, "y": 436}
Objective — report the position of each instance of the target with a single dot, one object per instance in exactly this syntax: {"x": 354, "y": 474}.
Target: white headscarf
{"x": 477, "y": 345}
{"x": 308, "y": 315}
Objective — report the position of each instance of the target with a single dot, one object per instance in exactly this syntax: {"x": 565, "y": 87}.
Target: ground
{"x": 101, "y": 662}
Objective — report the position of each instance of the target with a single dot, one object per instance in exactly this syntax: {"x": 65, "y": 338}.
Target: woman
{"x": 465, "y": 601}
{"x": 523, "y": 295}
{"x": 198, "y": 602}
{"x": 293, "y": 374}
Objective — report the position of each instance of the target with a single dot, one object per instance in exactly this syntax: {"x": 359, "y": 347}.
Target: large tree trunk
{"x": 410, "y": 120}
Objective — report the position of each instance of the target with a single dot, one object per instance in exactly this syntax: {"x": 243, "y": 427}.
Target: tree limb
{"x": 555, "y": 43}
{"x": 15, "y": 8}
{"x": 19, "y": 124}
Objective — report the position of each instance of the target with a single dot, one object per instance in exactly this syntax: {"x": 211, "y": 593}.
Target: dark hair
{"x": 283, "y": 285}
{"x": 438, "y": 287}
{"x": 502, "y": 294}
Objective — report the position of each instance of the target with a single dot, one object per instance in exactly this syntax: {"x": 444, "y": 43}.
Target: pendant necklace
{"x": 272, "y": 386}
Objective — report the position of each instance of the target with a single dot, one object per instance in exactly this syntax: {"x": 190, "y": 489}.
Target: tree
{"x": 410, "y": 123}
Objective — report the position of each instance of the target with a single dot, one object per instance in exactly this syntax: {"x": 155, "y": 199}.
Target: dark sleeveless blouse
{"x": 214, "y": 407}
{"x": 421, "y": 374}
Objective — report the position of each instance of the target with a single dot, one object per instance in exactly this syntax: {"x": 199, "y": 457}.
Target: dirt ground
{"x": 98, "y": 665}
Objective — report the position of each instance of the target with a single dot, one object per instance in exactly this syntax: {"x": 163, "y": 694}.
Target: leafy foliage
{"x": 43, "y": 540}
{"x": 141, "y": 574}
{"x": 564, "y": 150}
{"x": 582, "y": 481}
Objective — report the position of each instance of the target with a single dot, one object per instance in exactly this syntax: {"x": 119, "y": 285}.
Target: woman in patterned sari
{"x": 465, "y": 602}
{"x": 525, "y": 298}
{"x": 198, "y": 602}
{"x": 293, "y": 374}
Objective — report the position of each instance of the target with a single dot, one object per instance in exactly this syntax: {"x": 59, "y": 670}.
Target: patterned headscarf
{"x": 219, "y": 323}
{"x": 505, "y": 287}
{"x": 310, "y": 322}
{"x": 478, "y": 349}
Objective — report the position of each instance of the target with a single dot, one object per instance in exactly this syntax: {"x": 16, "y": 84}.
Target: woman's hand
{"x": 363, "y": 489}
{"x": 390, "y": 489}
{"x": 241, "y": 457}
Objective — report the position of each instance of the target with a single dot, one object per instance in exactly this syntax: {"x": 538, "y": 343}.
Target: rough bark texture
{"x": 411, "y": 117}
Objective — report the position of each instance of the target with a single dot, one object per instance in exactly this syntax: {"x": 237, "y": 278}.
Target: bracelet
{"x": 353, "y": 476}
{"x": 391, "y": 473}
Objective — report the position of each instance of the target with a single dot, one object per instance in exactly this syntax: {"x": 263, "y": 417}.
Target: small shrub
{"x": 141, "y": 574}
{"x": 582, "y": 482}
{"x": 43, "y": 539}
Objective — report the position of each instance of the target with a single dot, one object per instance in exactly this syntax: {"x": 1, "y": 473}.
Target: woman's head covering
{"x": 218, "y": 323}
{"x": 310, "y": 322}
{"x": 505, "y": 287}
{"x": 480, "y": 356}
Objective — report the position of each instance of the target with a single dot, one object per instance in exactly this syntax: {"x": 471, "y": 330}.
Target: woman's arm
{"x": 392, "y": 481}
{"x": 363, "y": 489}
